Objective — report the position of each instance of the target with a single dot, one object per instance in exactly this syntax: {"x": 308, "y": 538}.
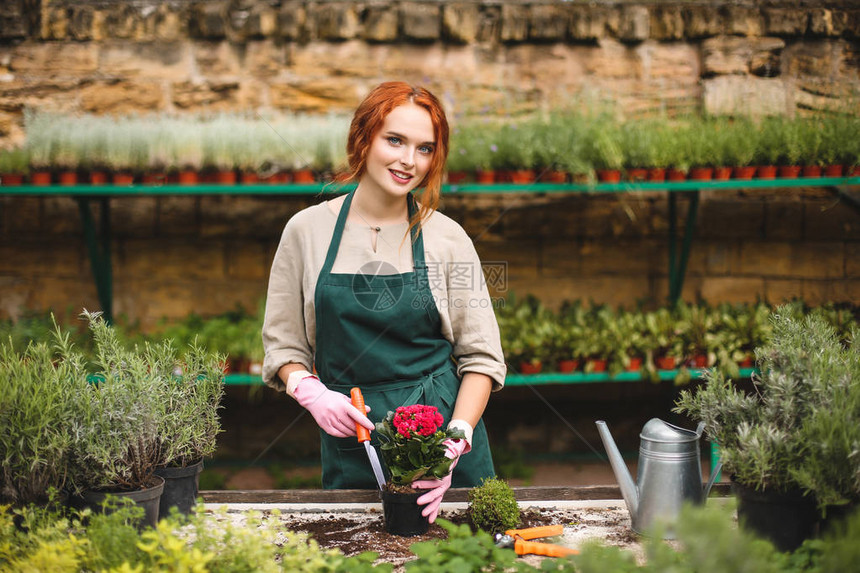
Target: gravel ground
{"x": 354, "y": 528}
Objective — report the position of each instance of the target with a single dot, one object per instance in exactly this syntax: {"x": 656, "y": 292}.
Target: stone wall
{"x": 109, "y": 56}
{"x": 173, "y": 255}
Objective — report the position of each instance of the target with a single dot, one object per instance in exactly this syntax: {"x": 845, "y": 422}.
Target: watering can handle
{"x": 714, "y": 473}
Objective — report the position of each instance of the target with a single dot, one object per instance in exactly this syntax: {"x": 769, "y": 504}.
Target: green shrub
{"x": 493, "y": 507}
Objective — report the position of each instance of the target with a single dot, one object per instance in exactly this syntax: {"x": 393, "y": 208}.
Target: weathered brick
{"x": 767, "y": 259}
{"x": 421, "y": 22}
{"x": 209, "y": 20}
{"x": 785, "y": 21}
{"x": 826, "y": 220}
{"x": 667, "y": 23}
{"x": 778, "y": 291}
{"x": 742, "y": 20}
{"x": 122, "y": 97}
{"x": 171, "y": 261}
{"x": 784, "y": 220}
{"x": 136, "y": 214}
{"x": 292, "y": 20}
{"x": 380, "y": 24}
{"x": 852, "y": 260}
{"x": 702, "y": 21}
{"x": 335, "y": 21}
{"x": 247, "y": 260}
{"x": 727, "y": 95}
{"x": 634, "y": 24}
{"x": 460, "y": 23}
{"x": 732, "y": 289}
{"x": 521, "y": 257}
{"x": 826, "y": 22}
{"x": 548, "y": 23}
{"x": 514, "y": 23}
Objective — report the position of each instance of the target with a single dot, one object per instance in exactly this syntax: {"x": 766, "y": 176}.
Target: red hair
{"x": 367, "y": 122}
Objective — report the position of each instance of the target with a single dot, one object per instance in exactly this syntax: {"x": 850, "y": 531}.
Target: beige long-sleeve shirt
{"x": 454, "y": 272}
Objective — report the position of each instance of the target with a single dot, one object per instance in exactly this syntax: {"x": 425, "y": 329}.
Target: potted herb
{"x": 665, "y": 333}
{"x": 606, "y": 151}
{"x": 67, "y": 153}
{"x": 116, "y": 444}
{"x": 35, "y": 409}
{"x": 14, "y": 166}
{"x": 771, "y": 133}
{"x": 413, "y": 448}
{"x": 791, "y": 444}
{"x": 40, "y": 145}
{"x": 791, "y": 149}
{"x": 189, "y": 396}
{"x": 742, "y": 148}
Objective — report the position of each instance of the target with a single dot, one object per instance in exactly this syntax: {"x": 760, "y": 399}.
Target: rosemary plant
{"x": 800, "y": 429}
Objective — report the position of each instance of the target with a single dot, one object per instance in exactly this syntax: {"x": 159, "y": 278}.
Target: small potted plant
{"x": 14, "y": 166}
{"x": 40, "y": 145}
{"x": 742, "y": 147}
{"x": 790, "y": 446}
{"x": 413, "y": 448}
{"x": 606, "y": 151}
{"x": 190, "y": 393}
{"x": 116, "y": 444}
{"x": 34, "y": 414}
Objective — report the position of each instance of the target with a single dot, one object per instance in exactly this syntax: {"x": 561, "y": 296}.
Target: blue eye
{"x": 426, "y": 149}
{"x": 393, "y": 140}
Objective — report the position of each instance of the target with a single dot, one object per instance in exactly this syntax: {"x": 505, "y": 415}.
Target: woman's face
{"x": 401, "y": 153}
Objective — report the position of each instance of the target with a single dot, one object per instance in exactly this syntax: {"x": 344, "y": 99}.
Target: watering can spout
{"x": 622, "y": 475}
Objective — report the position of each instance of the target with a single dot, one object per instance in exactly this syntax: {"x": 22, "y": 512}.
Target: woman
{"x": 376, "y": 291}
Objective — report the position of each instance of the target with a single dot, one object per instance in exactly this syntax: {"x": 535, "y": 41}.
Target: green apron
{"x": 383, "y": 334}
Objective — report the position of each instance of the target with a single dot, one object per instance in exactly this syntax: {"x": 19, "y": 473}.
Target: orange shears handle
{"x": 536, "y": 532}
{"x": 358, "y": 401}
{"x": 523, "y": 547}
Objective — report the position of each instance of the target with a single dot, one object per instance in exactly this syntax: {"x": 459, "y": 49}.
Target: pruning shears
{"x": 518, "y": 540}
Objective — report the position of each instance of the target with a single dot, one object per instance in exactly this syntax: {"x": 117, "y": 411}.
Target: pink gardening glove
{"x": 333, "y": 411}
{"x": 433, "y": 498}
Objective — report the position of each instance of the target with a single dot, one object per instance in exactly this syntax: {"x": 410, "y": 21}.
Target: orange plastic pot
{"x": 789, "y": 171}
{"x": 743, "y": 172}
{"x": 609, "y": 175}
{"x": 766, "y": 172}
{"x": 811, "y": 171}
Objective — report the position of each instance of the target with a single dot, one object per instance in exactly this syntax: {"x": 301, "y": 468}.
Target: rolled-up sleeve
{"x": 284, "y": 334}
{"x": 477, "y": 345}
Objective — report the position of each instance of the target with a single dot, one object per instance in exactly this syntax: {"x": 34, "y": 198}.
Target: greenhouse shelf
{"x": 537, "y": 379}
{"x": 98, "y": 237}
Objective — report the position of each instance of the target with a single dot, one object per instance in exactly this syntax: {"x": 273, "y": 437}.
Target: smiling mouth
{"x": 400, "y": 176}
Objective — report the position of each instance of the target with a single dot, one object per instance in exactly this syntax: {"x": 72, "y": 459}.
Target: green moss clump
{"x": 493, "y": 507}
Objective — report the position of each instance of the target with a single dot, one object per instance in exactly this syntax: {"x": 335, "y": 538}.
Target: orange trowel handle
{"x": 536, "y": 532}
{"x": 358, "y": 401}
{"x": 523, "y": 547}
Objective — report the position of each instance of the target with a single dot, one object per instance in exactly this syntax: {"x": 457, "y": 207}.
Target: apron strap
{"x": 418, "y": 263}
{"x": 331, "y": 255}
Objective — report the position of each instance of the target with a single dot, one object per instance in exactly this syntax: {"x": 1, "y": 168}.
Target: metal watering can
{"x": 670, "y": 473}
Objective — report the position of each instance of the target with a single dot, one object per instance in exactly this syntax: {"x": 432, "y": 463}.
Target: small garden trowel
{"x": 364, "y": 438}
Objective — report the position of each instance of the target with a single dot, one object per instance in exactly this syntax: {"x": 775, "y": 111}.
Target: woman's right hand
{"x": 333, "y": 411}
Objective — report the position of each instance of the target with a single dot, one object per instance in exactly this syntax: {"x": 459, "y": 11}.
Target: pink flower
{"x": 417, "y": 420}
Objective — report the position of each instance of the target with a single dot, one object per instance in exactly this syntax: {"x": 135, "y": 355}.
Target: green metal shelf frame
{"x": 98, "y": 240}
{"x": 536, "y": 379}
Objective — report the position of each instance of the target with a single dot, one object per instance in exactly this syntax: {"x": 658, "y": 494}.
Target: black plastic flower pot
{"x": 180, "y": 488}
{"x": 785, "y": 519}
{"x": 402, "y": 514}
{"x": 147, "y": 498}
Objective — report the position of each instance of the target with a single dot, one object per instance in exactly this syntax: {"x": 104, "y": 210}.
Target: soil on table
{"x": 354, "y": 533}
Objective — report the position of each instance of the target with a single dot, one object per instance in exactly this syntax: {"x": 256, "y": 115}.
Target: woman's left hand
{"x": 433, "y": 498}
